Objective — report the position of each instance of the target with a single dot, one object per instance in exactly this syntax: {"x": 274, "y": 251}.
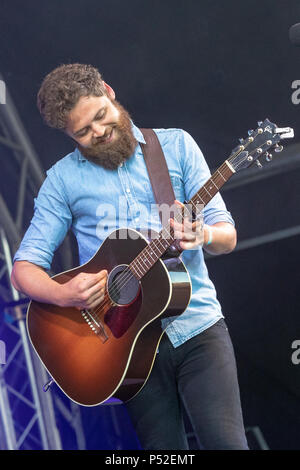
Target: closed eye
{"x": 82, "y": 133}
{"x": 98, "y": 117}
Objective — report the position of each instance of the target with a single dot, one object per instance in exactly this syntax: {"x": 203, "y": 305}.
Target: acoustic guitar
{"x": 95, "y": 354}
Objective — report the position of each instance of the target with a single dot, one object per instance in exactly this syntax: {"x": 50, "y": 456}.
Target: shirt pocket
{"x": 148, "y": 196}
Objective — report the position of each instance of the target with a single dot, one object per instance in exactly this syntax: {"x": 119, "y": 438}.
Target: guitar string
{"x": 125, "y": 279}
{"x": 217, "y": 179}
{"x": 127, "y": 270}
{"x": 127, "y": 273}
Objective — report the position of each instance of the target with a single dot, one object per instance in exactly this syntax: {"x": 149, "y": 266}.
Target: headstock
{"x": 257, "y": 145}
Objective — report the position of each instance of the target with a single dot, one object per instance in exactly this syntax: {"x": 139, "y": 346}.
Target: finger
{"x": 187, "y": 231}
{"x": 187, "y": 236}
{"x": 103, "y": 273}
{"x": 189, "y": 245}
{"x": 96, "y": 303}
{"x": 197, "y": 225}
{"x": 179, "y": 203}
{"x": 190, "y": 226}
{"x": 186, "y": 224}
{"x": 179, "y": 210}
{"x": 100, "y": 286}
{"x": 91, "y": 280}
{"x": 95, "y": 295}
{"x": 193, "y": 243}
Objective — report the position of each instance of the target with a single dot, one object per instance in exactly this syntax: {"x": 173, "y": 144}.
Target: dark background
{"x": 213, "y": 68}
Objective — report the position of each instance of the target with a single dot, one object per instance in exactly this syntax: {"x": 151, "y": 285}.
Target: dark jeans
{"x": 201, "y": 376}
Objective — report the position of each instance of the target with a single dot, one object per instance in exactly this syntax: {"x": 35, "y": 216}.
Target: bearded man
{"x": 101, "y": 186}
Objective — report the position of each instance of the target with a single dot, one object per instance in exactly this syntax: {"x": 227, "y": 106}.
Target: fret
{"x": 207, "y": 190}
{"x": 133, "y": 270}
{"x": 137, "y": 268}
{"x": 221, "y": 176}
{"x": 214, "y": 184}
{"x": 151, "y": 253}
{"x": 155, "y": 245}
{"x": 194, "y": 204}
{"x": 197, "y": 197}
{"x": 141, "y": 265}
{"x": 164, "y": 244}
{"x": 205, "y": 198}
{"x": 195, "y": 207}
{"x": 161, "y": 243}
{"x": 210, "y": 182}
{"x": 146, "y": 260}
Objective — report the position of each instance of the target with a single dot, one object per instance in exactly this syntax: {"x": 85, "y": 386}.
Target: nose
{"x": 98, "y": 130}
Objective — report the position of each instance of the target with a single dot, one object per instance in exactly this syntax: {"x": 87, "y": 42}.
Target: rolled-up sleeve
{"x": 49, "y": 225}
{"x": 195, "y": 175}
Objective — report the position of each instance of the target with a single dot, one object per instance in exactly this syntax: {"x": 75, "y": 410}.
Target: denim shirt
{"x": 92, "y": 202}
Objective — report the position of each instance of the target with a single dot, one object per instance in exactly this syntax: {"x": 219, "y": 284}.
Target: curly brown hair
{"x": 62, "y": 88}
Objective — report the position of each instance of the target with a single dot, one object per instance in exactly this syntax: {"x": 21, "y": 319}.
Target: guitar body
{"x": 113, "y": 355}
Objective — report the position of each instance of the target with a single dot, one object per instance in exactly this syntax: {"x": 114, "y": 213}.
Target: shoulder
{"x": 181, "y": 141}
{"x": 175, "y": 136}
{"x": 64, "y": 165}
{"x": 61, "y": 174}
{"x": 169, "y": 133}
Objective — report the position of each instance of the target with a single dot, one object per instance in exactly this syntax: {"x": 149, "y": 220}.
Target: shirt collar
{"x": 136, "y": 133}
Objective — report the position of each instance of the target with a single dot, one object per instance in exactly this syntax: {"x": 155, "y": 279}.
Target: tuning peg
{"x": 278, "y": 148}
{"x": 250, "y": 132}
{"x": 258, "y": 164}
{"x": 268, "y": 156}
{"x": 259, "y": 123}
{"x": 241, "y": 141}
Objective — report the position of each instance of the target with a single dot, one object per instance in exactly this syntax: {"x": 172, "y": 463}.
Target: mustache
{"x": 99, "y": 140}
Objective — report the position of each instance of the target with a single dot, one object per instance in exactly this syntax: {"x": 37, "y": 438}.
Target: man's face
{"x": 102, "y": 129}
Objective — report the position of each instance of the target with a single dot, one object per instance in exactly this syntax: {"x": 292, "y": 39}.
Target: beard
{"x": 111, "y": 154}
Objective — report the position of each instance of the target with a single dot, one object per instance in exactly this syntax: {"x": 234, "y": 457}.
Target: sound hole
{"x": 123, "y": 287}
{"x": 124, "y": 290}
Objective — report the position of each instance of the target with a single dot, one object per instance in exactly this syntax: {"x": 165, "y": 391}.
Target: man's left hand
{"x": 189, "y": 234}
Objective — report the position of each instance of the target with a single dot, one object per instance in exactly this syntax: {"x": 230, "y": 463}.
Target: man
{"x": 104, "y": 185}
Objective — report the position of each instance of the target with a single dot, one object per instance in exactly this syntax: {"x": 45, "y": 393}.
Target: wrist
{"x": 59, "y": 294}
{"x": 208, "y": 235}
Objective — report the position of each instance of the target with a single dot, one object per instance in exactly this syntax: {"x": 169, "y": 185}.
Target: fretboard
{"x": 157, "y": 247}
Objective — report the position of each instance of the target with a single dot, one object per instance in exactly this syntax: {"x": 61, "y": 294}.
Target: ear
{"x": 109, "y": 91}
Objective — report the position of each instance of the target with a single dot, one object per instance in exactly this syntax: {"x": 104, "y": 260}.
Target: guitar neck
{"x": 266, "y": 136}
{"x": 158, "y": 246}
{"x": 212, "y": 186}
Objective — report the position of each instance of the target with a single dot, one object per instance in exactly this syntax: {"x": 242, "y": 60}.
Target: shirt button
{"x": 127, "y": 190}
{"x": 137, "y": 219}
{"x": 121, "y": 164}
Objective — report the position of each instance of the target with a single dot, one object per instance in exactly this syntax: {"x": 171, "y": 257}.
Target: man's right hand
{"x": 84, "y": 291}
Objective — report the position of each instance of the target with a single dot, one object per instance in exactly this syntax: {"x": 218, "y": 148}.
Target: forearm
{"x": 34, "y": 282}
{"x": 223, "y": 238}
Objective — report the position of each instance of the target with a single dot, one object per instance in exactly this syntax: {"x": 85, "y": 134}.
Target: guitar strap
{"x": 157, "y": 169}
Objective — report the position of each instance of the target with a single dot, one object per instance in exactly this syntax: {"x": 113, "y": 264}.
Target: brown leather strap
{"x": 157, "y": 169}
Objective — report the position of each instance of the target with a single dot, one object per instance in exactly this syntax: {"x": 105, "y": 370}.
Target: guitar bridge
{"x": 96, "y": 326}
